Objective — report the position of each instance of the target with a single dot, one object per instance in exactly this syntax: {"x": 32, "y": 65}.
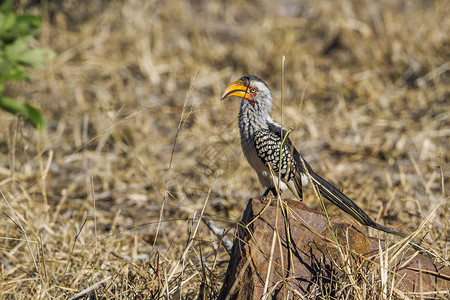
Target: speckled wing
{"x": 267, "y": 145}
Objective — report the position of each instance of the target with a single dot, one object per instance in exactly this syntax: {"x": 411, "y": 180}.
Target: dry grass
{"x": 375, "y": 121}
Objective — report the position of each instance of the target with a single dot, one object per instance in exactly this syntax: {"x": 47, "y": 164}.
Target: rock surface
{"x": 315, "y": 261}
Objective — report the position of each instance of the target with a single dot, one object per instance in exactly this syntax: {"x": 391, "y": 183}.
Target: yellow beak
{"x": 237, "y": 88}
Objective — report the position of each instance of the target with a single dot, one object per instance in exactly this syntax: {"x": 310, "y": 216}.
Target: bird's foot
{"x": 266, "y": 193}
{"x": 264, "y": 196}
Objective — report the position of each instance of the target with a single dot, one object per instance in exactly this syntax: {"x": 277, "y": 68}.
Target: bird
{"x": 262, "y": 139}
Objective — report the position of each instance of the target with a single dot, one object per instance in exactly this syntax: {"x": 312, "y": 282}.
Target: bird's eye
{"x": 253, "y": 90}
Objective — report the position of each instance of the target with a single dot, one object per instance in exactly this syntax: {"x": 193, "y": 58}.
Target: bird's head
{"x": 252, "y": 89}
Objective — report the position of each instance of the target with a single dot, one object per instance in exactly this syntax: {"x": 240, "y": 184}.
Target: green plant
{"x": 16, "y": 54}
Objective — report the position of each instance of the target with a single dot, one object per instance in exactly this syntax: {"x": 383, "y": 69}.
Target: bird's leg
{"x": 271, "y": 189}
{"x": 274, "y": 191}
{"x": 264, "y": 196}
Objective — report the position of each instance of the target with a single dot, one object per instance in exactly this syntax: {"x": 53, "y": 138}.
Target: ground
{"x": 135, "y": 123}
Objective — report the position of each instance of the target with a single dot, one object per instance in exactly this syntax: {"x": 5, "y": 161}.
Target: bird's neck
{"x": 252, "y": 118}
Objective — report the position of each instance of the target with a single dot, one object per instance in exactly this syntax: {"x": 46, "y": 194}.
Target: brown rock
{"x": 315, "y": 261}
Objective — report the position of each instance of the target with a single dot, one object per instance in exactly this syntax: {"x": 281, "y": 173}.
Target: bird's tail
{"x": 343, "y": 202}
{"x": 338, "y": 198}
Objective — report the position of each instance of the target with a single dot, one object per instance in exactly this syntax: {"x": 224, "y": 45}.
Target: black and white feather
{"x": 268, "y": 145}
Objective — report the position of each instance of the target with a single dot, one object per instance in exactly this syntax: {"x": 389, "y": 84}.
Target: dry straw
{"x": 374, "y": 120}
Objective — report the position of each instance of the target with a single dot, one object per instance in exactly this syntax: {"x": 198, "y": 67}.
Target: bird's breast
{"x": 249, "y": 150}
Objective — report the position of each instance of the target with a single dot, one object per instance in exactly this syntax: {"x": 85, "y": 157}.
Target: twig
{"x": 224, "y": 240}
{"x": 95, "y": 213}
{"x": 73, "y": 245}
{"x": 272, "y": 249}
{"x": 22, "y": 230}
{"x": 91, "y": 288}
{"x": 181, "y": 122}
{"x": 42, "y": 253}
{"x": 188, "y": 246}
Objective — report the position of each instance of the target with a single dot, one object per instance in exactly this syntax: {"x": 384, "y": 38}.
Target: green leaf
{"x": 19, "y": 52}
{"x": 15, "y": 54}
{"x": 37, "y": 57}
{"x": 7, "y": 22}
{"x": 27, "y": 24}
{"x": 10, "y": 70}
{"x": 6, "y": 5}
{"x": 13, "y": 26}
{"x": 15, "y": 50}
{"x": 30, "y": 113}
